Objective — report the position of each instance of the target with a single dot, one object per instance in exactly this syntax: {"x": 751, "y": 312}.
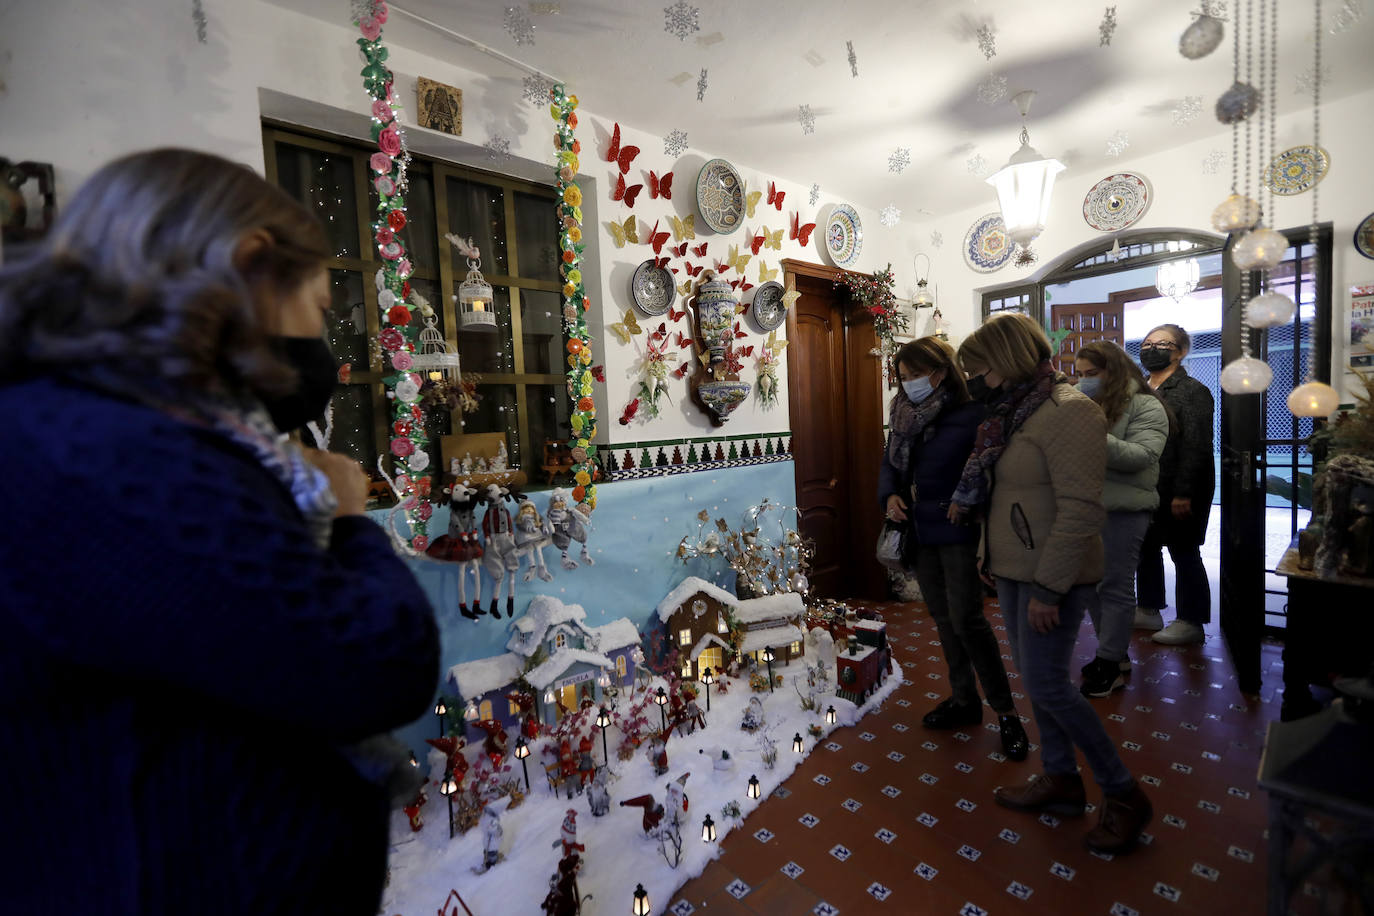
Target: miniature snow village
{"x": 542, "y": 749}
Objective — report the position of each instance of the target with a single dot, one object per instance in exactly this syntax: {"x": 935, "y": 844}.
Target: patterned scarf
{"x": 1004, "y": 419}
{"x": 908, "y": 421}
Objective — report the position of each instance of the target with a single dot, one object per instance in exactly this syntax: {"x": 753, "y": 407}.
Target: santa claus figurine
{"x": 568, "y": 835}
{"x": 675, "y": 802}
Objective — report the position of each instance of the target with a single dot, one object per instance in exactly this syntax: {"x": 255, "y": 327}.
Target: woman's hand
{"x": 347, "y": 479}
{"x": 896, "y": 509}
{"x": 1182, "y": 507}
{"x": 1043, "y": 618}
{"x": 955, "y": 514}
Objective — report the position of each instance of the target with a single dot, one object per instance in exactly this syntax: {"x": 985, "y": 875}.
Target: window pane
{"x": 548, "y": 408}
{"x": 347, "y": 322}
{"x": 489, "y": 350}
{"x": 536, "y": 237}
{"x": 421, "y": 234}
{"x": 495, "y": 413}
{"x": 353, "y": 430}
{"x": 541, "y": 327}
{"x": 478, "y": 211}
{"x": 325, "y": 184}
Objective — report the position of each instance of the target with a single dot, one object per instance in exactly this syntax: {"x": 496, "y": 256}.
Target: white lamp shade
{"x": 1313, "y": 399}
{"x": 1023, "y": 188}
{"x": 1246, "y": 375}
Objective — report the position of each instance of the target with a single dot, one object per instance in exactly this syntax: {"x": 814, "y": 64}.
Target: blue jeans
{"x": 1064, "y": 717}
{"x": 1113, "y": 606}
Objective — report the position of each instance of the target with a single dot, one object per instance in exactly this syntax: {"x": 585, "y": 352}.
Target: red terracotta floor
{"x": 889, "y": 817}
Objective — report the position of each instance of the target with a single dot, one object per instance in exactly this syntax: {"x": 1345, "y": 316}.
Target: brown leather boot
{"x": 1060, "y": 794}
{"x": 1119, "y": 825}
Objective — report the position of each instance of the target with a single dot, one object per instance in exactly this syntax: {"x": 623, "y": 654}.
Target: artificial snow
{"x": 544, "y": 612}
{"x": 686, "y": 589}
{"x": 426, "y": 866}
{"x": 770, "y": 638}
{"x": 476, "y": 678}
{"x": 754, "y": 610}
{"x": 617, "y": 634}
{"x": 543, "y": 675}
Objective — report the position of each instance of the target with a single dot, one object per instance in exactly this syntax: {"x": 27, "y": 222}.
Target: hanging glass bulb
{"x": 1202, "y": 37}
{"x": 1313, "y": 399}
{"x": 1237, "y": 103}
{"x": 1268, "y": 310}
{"x": 1246, "y": 375}
{"x": 1235, "y": 212}
{"x": 1259, "y": 249}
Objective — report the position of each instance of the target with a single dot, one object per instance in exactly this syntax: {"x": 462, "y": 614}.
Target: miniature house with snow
{"x": 699, "y": 617}
{"x": 772, "y": 622}
{"x": 560, "y": 657}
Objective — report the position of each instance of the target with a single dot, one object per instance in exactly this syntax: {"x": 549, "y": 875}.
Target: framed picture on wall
{"x": 440, "y": 106}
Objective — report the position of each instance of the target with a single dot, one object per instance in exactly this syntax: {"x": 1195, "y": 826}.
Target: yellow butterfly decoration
{"x": 774, "y": 345}
{"x": 705, "y": 359}
{"x": 765, "y": 274}
{"x": 751, "y": 199}
{"x": 737, "y": 260}
{"x": 629, "y": 232}
{"x": 684, "y": 228}
{"x": 790, "y": 297}
{"x": 627, "y": 328}
{"x": 773, "y": 239}
{"x": 685, "y": 287}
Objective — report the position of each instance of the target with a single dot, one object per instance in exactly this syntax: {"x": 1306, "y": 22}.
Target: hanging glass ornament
{"x": 1236, "y": 212}
{"x": 1259, "y": 249}
{"x": 1246, "y": 375}
{"x": 1269, "y": 310}
{"x": 1202, "y": 37}
{"x": 1313, "y": 399}
{"x": 1237, "y": 103}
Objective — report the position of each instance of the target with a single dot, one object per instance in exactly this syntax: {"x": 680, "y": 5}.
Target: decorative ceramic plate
{"x": 720, "y": 196}
{"x": 1364, "y": 237}
{"x": 987, "y": 247}
{"x": 767, "y": 306}
{"x": 1117, "y": 202}
{"x": 844, "y": 236}
{"x": 652, "y": 288}
{"x": 1296, "y": 170}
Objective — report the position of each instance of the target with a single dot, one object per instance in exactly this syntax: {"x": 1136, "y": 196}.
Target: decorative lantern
{"x": 797, "y": 743}
{"x": 1269, "y": 310}
{"x": 708, "y": 830}
{"x": 474, "y": 300}
{"x": 1176, "y": 279}
{"x": 434, "y": 357}
{"x": 1313, "y": 399}
{"x": 641, "y": 901}
{"x": 1024, "y": 185}
{"x": 924, "y": 298}
{"x": 830, "y": 715}
{"x": 753, "y": 790}
{"x": 1246, "y": 375}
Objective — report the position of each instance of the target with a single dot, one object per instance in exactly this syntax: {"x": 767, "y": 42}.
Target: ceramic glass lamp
{"x": 1235, "y": 213}
{"x": 1269, "y": 310}
{"x": 1246, "y": 375}
{"x": 1176, "y": 279}
{"x": 476, "y": 312}
{"x": 1024, "y": 185}
{"x": 1203, "y": 36}
{"x": 1259, "y": 249}
{"x": 1313, "y": 399}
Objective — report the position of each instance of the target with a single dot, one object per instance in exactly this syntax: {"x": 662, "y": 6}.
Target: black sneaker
{"x": 950, "y": 714}
{"x": 1101, "y": 677}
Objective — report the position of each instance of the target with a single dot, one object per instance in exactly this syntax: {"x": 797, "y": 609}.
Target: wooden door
{"x": 1085, "y": 323}
{"x": 836, "y": 419}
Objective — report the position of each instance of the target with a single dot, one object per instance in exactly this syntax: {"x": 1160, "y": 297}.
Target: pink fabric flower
{"x": 425, "y": 510}
{"x": 403, "y": 269}
{"x": 402, "y": 481}
{"x": 402, "y": 448}
{"x": 380, "y": 162}
{"x": 391, "y": 250}
{"x": 382, "y": 112}
{"x": 385, "y": 236}
{"x": 389, "y": 141}
{"x": 380, "y": 11}
{"x": 421, "y": 542}
{"x": 384, "y": 185}
{"x": 401, "y": 360}
{"x": 392, "y": 339}
{"x": 371, "y": 29}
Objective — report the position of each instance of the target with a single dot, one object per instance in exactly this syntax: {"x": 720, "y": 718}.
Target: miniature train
{"x": 865, "y": 663}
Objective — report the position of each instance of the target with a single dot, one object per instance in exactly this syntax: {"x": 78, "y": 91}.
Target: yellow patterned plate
{"x": 1296, "y": 170}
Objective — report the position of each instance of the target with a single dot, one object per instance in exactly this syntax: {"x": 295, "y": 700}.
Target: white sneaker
{"x": 1148, "y": 619}
{"x": 1179, "y": 633}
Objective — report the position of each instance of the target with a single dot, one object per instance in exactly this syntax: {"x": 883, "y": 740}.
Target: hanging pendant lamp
{"x": 1024, "y": 185}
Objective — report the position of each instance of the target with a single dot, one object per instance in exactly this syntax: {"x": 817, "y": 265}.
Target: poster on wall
{"x": 1360, "y": 342}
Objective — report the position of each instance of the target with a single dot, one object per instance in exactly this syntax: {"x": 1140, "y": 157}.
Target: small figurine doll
{"x": 599, "y": 795}
{"x": 465, "y": 466}
{"x": 491, "y": 836}
{"x": 531, "y": 537}
{"x": 460, "y": 545}
{"x": 564, "y": 525}
{"x": 586, "y": 767}
{"x": 753, "y": 715}
{"x": 658, "y": 754}
{"x": 500, "y": 558}
{"x": 675, "y": 801}
{"x": 568, "y": 835}
{"x": 502, "y": 459}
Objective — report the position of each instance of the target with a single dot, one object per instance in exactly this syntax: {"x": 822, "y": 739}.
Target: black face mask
{"x": 1155, "y": 359}
{"x": 313, "y": 361}
{"x": 980, "y": 390}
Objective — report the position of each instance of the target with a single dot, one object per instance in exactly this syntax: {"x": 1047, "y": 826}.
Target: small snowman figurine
{"x": 502, "y": 460}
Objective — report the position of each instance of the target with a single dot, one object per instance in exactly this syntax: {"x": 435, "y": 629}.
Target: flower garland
{"x": 579, "y": 346}
{"x": 389, "y": 165}
{"x": 874, "y": 293}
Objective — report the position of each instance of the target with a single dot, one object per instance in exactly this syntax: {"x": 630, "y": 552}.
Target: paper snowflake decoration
{"x": 1118, "y": 143}
{"x": 987, "y": 41}
{"x": 198, "y": 17}
{"x": 1213, "y": 162}
{"x": 853, "y": 59}
{"x": 1107, "y": 27}
{"x": 1350, "y": 13}
{"x": 363, "y": 9}
{"x": 1307, "y": 80}
{"x": 675, "y": 144}
{"x": 807, "y": 119}
{"x": 519, "y": 26}
{"x": 681, "y": 20}
{"x": 498, "y": 148}
{"x": 815, "y": 194}
{"x": 900, "y": 159}
{"x": 536, "y": 89}
{"x": 936, "y": 238}
{"x": 977, "y": 165}
{"x": 993, "y": 89}
{"x": 701, "y": 85}
{"x": 1186, "y": 111}
{"x": 890, "y": 216}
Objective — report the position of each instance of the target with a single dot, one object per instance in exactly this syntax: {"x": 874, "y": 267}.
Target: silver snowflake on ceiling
{"x": 1187, "y": 110}
{"x": 681, "y": 20}
{"x": 1351, "y": 12}
{"x": 701, "y": 86}
{"x": 363, "y": 9}
{"x": 1212, "y": 163}
{"x": 937, "y": 238}
{"x": 675, "y": 144}
{"x": 977, "y": 165}
{"x": 536, "y": 89}
{"x": 519, "y": 26}
{"x": 1214, "y": 8}
{"x": 1118, "y": 143}
{"x": 890, "y": 216}
{"x": 900, "y": 159}
{"x": 198, "y": 17}
{"x": 853, "y": 59}
{"x": 987, "y": 41}
{"x": 498, "y": 148}
{"x": 807, "y": 119}
{"x": 815, "y": 194}
{"x": 993, "y": 89}
{"x": 1107, "y": 27}
{"x": 1307, "y": 81}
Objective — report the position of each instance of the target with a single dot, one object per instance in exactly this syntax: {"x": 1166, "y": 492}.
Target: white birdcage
{"x": 434, "y": 357}
{"x": 476, "y": 311}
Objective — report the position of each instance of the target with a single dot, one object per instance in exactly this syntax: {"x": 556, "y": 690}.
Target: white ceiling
{"x": 919, "y": 67}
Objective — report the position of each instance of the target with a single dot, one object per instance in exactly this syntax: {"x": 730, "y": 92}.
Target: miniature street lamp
{"x": 641, "y": 901}
{"x": 605, "y": 679}
{"x": 413, "y": 761}
{"x": 522, "y": 750}
{"x": 661, "y": 699}
{"x": 603, "y": 722}
{"x": 441, "y": 710}
{"x": 797, "y": 742}
{"x": 768, "y": 658}
{"x": 446, "y": 789}
{"x": 548, "y": 696}
{"x": 708, "y": 830}
{"x": 753, "y": 791}
{"x": 830, "y": 715}
{"x": 708, "y": 679}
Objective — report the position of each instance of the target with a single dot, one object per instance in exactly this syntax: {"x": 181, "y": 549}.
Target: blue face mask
{"x": 918, "y": 389}
{"x": 1090, "y": 386}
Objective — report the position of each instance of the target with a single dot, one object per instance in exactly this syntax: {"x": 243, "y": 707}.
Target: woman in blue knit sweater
{"x": 185, "y": 687}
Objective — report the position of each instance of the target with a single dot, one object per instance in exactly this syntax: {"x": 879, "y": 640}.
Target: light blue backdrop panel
{"x": 637, "y": 527}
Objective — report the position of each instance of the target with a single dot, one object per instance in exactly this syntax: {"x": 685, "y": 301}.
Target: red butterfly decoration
{"x": 661, "y": 263}
{"x": 676, "y": 316}
{"x": 683, "y": 342}
{"x": 626, "y": 194}
{"x": 738, "y": 332}
{"x": 744, "y": 287}
{"x": 693, "y": 271}
{"x": 756, "y": 243}
{"x": 747, "y": 351}
{"x": 799, "y": 232}
{"x": 630, "y": 410}
{"x": 700, "y": 250}
{"x": 661, "y": 333}
{"x": 723, "y": 266}
{"x": 657, "y": 238}
{"x": 620, "y": 155}
{"x": 680, "y": 371}
{"x": 679, "y": 250}
{"x": 774, "y": 195}
{"x": 661, "y": 187}
{"x": 734, "y": 284}
{"x": 599, "y": 373}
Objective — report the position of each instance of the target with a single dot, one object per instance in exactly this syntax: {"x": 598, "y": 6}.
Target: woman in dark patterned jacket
{"x": 1187, "y": 481}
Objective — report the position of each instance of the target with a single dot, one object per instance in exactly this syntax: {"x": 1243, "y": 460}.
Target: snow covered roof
{"x": 864, "y": 624}
{"x": 544, "y": 612}
{"x": 544, "y": 674}
{"x": 754, "y": 610}
{"x": 686, "y": 589}
{"x": 615, "y": 635}
{"x": 770, "y": 637}
{"x": 472, "y": 679}
{"x": 706, "y": 641}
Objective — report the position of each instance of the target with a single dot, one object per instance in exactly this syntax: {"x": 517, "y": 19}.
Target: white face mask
{"x": 918, "y": 389}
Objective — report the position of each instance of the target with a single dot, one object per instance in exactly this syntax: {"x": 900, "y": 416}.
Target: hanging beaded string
{"x": 1245, "y": 331}
{"x": 1235, "y": 125}
{"x": 1312, "y": 227}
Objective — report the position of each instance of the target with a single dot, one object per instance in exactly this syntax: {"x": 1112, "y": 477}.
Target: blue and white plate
{"x": 720, "y": 196}
{"x": 652, "y": 288}
{"x": 987, "y": 247}
{"x": 844, "y": 236}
